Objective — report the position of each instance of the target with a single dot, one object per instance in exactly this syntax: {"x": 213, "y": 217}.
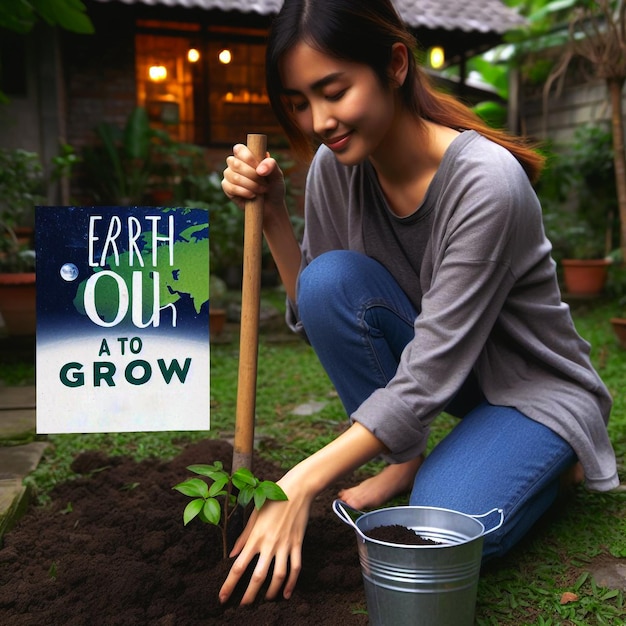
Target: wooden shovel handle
{"x": 250, "y": 310}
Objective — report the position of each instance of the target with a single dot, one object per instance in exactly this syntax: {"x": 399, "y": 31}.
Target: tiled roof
{"x": 262, "y": 7}
{"x": 465, "y": 15}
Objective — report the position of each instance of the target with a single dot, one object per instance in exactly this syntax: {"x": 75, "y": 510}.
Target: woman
{"x": 424, "y": 283}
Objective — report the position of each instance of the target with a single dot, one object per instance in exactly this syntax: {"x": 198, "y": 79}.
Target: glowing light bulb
{"x": 225, "y": 56}
{"x": 157, "y": 73}
{"x": 437, "y": 57}
{"x": 193, "y": 55}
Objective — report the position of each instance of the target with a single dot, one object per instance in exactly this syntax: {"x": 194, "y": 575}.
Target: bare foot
{"x": 572, "y": 477}
{"x": 392, "y": 481}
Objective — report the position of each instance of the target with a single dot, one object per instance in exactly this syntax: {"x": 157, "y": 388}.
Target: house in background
{"x": 197, "y": 66}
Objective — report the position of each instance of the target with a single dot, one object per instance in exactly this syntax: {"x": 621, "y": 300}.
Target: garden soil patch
{"x": 111, "y": 549}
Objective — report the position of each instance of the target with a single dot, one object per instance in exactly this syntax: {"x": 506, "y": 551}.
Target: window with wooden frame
{"x": 203, "y": 84}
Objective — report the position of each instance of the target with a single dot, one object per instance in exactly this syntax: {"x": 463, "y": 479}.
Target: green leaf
{"x": 582, "y": 579}
{"x": 194, "y": 487}
{"x": 19, "y": 18}
{"x": 207, "y": 470}
{"x": 137, "y": 134}
{"x": 272, "y": 491}
{"x": 69, "y": 14}
{"x": 202, "y": 468}
{"x": 243, "y": 477}
{"x": 192, "y": 510}
{"x": 259, "y": 499}
{"x": 216, "y": 488}
{"x": 212, "y": 511}
{"x": 609, "y": 595}
{"x": 245, "y": 495}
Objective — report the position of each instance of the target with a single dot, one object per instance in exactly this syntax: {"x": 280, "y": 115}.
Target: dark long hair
{"x": 364, "y": 31}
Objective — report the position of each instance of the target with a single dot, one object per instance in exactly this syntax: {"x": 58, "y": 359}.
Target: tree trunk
{"x": 615, "y": 86}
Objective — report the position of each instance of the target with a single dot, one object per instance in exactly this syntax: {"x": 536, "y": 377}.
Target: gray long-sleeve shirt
{"x": 475, "y": 262}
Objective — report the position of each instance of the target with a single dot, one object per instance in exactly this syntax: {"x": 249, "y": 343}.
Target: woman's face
{"x": 341, "y": 103}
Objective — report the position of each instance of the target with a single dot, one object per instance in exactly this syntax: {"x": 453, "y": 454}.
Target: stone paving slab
{"x": 17, "y": 426}
{"x": 13, "y": 500}
{"x": 611, "y": 575}
{"x": 17, "y": 398}
{"x": 19, "y": 461}
{"x": 17, "y": 415}
{"x": 16, "y": 462}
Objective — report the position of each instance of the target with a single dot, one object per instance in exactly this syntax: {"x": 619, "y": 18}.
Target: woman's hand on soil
{"x": 275, "y": 533}
{"x": 245, "y": 178}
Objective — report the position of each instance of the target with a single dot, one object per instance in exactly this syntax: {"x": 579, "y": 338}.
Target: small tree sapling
{"x": 206, "y": 504}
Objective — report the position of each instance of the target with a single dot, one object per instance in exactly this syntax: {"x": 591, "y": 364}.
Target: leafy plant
{"x": 206, "y": 498}
{"x": 127, "y": 164}
{"x": 577, "y": 192}
{"x": 120, "y": 165}
{"x": 21, "y": 186}
{"x": 68, "y": 14}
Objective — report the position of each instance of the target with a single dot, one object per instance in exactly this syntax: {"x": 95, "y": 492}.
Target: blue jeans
{"x": 358, "y": 321}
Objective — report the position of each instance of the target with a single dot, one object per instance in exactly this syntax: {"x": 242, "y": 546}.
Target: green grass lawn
{"x": 527, "y": 589}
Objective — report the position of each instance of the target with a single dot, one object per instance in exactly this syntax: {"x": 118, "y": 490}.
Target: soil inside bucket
{"x": 111, "y": 550}
{"x": 395, "y": 533}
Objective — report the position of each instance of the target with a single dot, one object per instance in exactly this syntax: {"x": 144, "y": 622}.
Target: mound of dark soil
{"x": 112, "y": 550}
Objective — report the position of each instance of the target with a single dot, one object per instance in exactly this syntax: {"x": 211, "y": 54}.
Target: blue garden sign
{"x": 122, "y": 319}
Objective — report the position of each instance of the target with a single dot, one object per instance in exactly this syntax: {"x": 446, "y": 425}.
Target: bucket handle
{"x": 496, "y": 510}
{"x": 344, "y": 511}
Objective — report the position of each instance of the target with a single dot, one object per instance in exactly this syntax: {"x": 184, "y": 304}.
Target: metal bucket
{"x": 420, "y": 585}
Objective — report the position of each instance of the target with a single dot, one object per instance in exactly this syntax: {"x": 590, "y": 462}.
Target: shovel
{"x": 250, "y": 309}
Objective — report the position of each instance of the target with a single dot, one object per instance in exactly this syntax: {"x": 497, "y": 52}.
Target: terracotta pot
{"x": 585, "y": 277}
{"x": 619, "y": 328}
{"x": 17, "y": 303}
{"x": 162, "y": 197}
{"x": 217, "y": 320}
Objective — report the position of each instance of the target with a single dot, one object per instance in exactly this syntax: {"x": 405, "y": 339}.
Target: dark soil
{"x": 112, "y": 550}
{"x": 400, "y": 534}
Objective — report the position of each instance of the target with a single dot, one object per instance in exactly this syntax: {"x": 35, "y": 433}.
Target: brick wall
{"x": 100, "y": 78}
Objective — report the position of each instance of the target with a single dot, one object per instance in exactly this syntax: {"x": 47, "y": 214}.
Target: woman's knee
{"x": 328, "y": 280}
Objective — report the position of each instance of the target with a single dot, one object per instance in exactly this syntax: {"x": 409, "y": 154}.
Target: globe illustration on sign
{"x": 158, "y": 283}
{"x": 69, "y": 272}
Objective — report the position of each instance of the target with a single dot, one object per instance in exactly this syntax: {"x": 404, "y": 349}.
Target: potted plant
{"x": 580, "y": 209}
{"x": 578, "y": 248}
{"x": 23, "y": 185}
{"x": 585, "y": 269}
{"x": 21, "y": 181}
